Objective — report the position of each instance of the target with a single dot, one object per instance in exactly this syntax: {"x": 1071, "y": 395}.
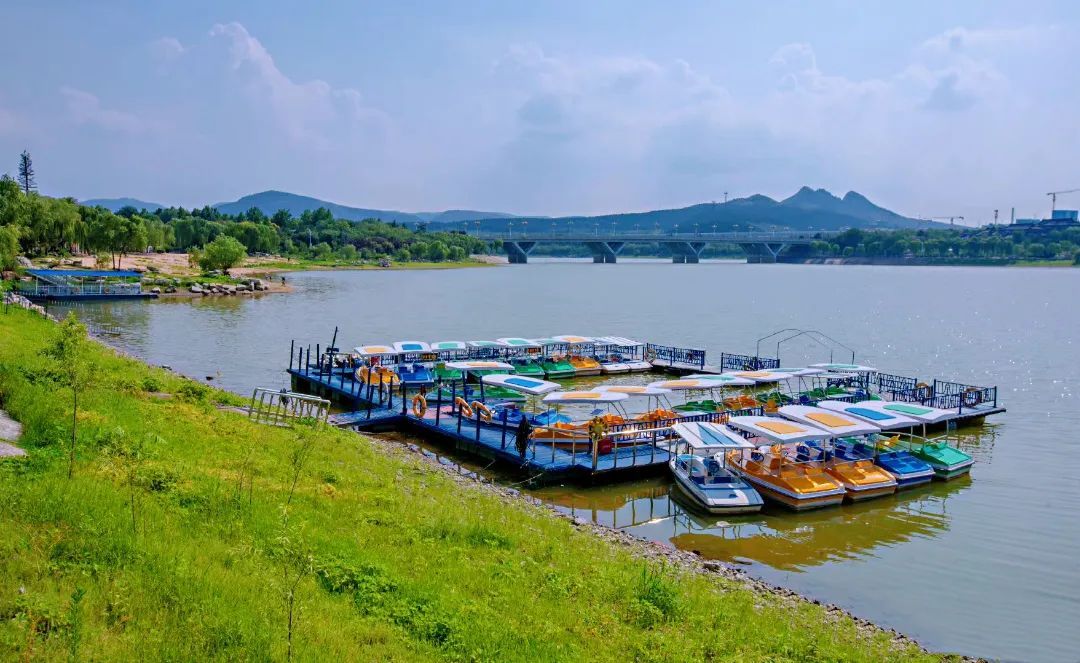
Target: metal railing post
{"x": 438, "y": 401}
{"x": 504, "y": 415}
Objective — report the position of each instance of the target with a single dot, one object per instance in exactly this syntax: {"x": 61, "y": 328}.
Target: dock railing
{"x": 280, "y": 407}
{"x": 736, "y": 362}
{"x": 674, "y": 356}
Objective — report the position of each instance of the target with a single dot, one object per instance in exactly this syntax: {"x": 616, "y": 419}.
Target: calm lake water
{"x": 983, "y": 566}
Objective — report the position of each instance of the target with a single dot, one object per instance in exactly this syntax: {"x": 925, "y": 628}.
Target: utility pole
{"x": 1012, "y": 216}
{"x": 995, "y": 217}
{"x": 725, "y": 196}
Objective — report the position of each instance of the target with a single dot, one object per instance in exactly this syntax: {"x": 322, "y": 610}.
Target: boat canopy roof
{"x": 485, "y": 344}
{"x": 722, "y": 379}
{"x": 924, "y": 414}
{"x": 571, "y": 338}
{"x": 684, "y": 384}
{"x": 880, "y": 417}
{"x": 543, "y": 342}
{"x": 634, "y": 389}
{"x": 518, "y": 342}
{"x": 479, "y": 365}
{"x": 448, "y": 345}
{"x": 778, "y": 431}
{"x": 800, "y": 372}
{"x": 761, "y": 376}
{"x": 836, "y": 423}
{"x": 374, "y": 350}
{"x": 411, "y": 346}
{"x": 594, "y": 396}
{"x": 705, "y": 436}
{"x": 845, "y": 368}
{"x": 618, "y": 340}
{"x": 522, "y": 384}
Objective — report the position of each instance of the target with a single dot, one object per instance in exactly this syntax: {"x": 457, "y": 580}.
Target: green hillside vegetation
{"x": 58, "y": 226}
{"x": 189, "y": 533}
{"x": 1003, "y": 242}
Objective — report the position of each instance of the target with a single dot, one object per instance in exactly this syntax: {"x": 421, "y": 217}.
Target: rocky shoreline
{"x": 682, "y": 560}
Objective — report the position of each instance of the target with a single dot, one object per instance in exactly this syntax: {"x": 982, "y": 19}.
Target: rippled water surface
{"x": 985, "y": 565}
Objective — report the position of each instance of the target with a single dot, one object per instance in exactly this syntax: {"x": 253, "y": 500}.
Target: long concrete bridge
{"x": 684, "y": 247}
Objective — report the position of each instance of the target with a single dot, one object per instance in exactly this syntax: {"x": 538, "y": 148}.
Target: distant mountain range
{"x": 115, "y": 204}
{"x": 807, "y": 209}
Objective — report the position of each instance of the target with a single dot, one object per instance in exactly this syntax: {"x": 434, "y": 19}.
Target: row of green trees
{"x": 37, "y": 225}
{"x": 982, "y": 244}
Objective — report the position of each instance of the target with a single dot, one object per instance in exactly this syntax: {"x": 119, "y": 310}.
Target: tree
{"x": 9, "y": 247}
{"x": 223, "y": 253}
{"x": 26, "y": 173}
{"x": 75, "y": 369}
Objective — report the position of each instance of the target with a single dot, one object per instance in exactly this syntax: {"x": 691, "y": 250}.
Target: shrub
{"x": 223, "y": 253}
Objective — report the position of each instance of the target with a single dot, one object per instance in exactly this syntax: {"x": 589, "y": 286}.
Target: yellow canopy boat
{"x": 775, "y": 473}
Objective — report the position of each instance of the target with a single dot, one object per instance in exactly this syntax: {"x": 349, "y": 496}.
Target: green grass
{"x": 400, "y": 562}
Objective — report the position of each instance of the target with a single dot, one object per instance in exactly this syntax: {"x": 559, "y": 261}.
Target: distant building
{"x": 1061, "y": 219}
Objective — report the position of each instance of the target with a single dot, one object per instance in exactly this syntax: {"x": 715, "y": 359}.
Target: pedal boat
{"x": 884, "y": 450}
{"x": 415, "y": 375}
{"x": 861, "y": 478}
{"x": 623, "y": 352}
{"x": 528, "y": 367}
{"x": 774, "y": 472}
{"x": 584, "y": 366}
{"x": 716, "y": 401}
{"x": 948, "y": 461}
{"x": 698, "y": 465}
{"x": 612, "y": 364}
{"x": 576, "y": 434}
{"x": 524, "y": 387}
{"x": 378, "y": 375}
{"x": 556, "y": 367}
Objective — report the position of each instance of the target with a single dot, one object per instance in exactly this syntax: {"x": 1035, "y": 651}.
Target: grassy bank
{"x": 185, "y": 530}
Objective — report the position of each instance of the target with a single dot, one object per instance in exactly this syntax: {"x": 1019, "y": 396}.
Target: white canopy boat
{"x": 515, "y": 342}
{"x": 699, "y": 465}
{"x": 629, "y": 345}
{"x": 440, "y": 346}
{"x": 844, "y": 368}
{"x": 777, "y": 473}
{"x": 404, "y": 347}
{"x": 879, "y": 416}
{"x": 839, "y": 454}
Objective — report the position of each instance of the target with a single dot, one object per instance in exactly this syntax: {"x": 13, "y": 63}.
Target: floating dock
{"x": 632, "y": 448}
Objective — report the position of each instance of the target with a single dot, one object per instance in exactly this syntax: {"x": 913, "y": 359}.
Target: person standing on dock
{"x": 521, "y": 439}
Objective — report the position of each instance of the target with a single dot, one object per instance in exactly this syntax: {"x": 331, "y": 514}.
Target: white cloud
{"x": 167, "y": 49}
{"x": 314, "y": 113}
{"x": 85, "y": 108}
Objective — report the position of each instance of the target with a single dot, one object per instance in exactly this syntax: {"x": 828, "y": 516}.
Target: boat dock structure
{"x": 82, "y": 285}
{"x": 473, "y": 396}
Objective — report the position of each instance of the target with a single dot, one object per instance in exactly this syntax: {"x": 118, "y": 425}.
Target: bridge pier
{"x": 763, "y": 252}
{"x": 517, "y": 252}
{"x": 605, "y": 252}
{"x": 685, "y": 252}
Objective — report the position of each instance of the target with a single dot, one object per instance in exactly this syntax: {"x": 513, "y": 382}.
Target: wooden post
{"x": 438, "y": 401}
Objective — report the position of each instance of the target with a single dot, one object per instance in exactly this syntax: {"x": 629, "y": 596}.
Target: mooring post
{"x": 389, "y": 392}
{"x": 476, "y": 413}
{"x": 404, "y": 401}
{"x": 504, "y": 412}
{"x": 318, "y": 361}
{"x": 292, "y": 351}
{"x": 459, "y": 415}
{"x": 438, "y": 401}
{"x": 652, "y": 453}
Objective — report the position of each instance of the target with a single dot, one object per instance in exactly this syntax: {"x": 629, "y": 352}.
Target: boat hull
{"x": 804, "y": 502}
{"x": 946, "y": 472}
{"x": 746, "y": 500}
{"x": 611, "y": 369}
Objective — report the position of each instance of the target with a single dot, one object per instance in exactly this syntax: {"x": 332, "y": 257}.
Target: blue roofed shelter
{"x": 82, "y": 284}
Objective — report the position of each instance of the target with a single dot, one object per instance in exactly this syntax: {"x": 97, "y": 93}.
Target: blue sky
{"x": 930, "y": 108}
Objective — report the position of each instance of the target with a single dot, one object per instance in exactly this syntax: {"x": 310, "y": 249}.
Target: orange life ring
{"x": 485, "y": 411}
{"x": 419, "y": 405}
{"x": 463, "y": 407}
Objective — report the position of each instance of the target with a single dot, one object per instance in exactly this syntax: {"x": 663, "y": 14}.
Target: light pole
{"x": 510, "y": 226}
{"x": 596, "y": 229}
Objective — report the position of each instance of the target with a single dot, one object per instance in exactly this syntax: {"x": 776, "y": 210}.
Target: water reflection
{"x": 777, "y": 538}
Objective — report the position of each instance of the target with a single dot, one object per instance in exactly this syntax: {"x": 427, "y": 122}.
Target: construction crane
{"x": 950, "y": 219}
{"x": 1053, "y": 198}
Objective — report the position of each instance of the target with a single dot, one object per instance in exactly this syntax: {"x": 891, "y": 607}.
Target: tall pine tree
{"x": 26, "y": 172}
